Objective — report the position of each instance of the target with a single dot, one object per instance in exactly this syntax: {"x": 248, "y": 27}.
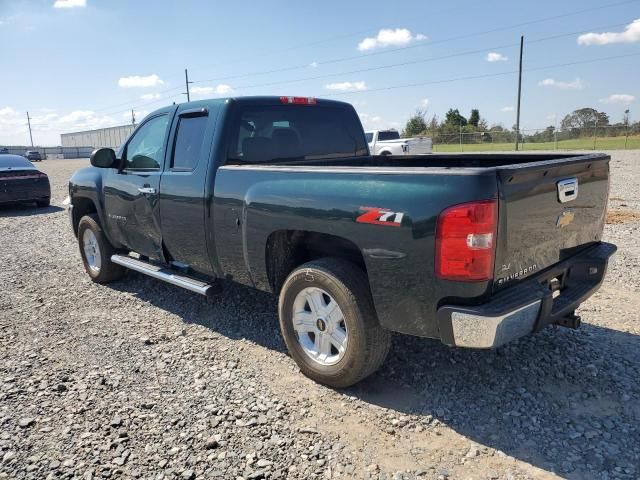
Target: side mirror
{"x": 103, "y": 158}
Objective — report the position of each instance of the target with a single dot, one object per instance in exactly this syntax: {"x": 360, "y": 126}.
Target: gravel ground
{"x": 140, "y": 379}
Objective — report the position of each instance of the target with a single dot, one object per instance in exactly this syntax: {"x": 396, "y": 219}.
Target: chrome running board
{"x": 166, "y": 275}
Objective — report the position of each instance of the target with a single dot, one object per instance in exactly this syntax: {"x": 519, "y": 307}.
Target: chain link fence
{"x": 606, "y": 137}
{"x": 50, "y": 152}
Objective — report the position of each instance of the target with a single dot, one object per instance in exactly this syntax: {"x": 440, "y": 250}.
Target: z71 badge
{"x": 380, "y": 216}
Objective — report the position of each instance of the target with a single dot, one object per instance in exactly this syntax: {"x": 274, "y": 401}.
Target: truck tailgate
{"x": 548, "y": 211}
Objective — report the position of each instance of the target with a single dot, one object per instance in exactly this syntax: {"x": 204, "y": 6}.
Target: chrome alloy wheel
{"x": 91, "y": 250}
{"x": 320, "y": 326}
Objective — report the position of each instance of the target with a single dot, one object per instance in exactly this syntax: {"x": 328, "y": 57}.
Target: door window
{"x": 145, "y": 150}
{"x": 189, "y": 137}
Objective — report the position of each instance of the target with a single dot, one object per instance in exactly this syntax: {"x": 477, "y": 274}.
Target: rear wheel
{"x": 329, "y": 324}
{"x": 96, "y": 252}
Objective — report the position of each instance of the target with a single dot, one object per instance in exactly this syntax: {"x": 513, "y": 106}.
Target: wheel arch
{"x": 81, "y": 206}
{"x": 286, "y": 250}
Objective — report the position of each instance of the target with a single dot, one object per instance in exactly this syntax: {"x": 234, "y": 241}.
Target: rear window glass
{"x": 368, "y": 137}
{"x": 293, "y": 132}
{"x": 14, "y": 161}
{"x": 390, "y": 135}
{"x": 188, "y": 142}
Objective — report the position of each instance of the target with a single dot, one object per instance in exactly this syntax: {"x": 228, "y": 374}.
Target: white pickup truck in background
{"x": 388, "y": 142}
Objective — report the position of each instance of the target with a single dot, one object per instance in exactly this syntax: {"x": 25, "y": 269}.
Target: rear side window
{"x": 276, "y": 133}
{"x": 189, "y": 137}
{"x": 388, "y": 135}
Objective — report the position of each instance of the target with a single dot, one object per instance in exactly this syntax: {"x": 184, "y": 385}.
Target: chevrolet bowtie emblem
{"x": 565, "y": 218}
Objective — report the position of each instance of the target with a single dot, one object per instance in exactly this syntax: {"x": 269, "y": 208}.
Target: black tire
{"x": 108, "y": 271}
{"x": 367, "y": 342}
{"x": 43, "y": 203}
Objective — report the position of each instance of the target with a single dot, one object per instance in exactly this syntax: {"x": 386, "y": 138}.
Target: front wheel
{"x": 96, "y": 251}
{"x": 329, "y": 323}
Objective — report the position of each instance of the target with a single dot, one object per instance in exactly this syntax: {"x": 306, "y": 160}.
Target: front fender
{"x": 86, "y": 184}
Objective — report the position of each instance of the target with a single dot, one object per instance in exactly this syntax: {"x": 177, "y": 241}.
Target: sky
{"x": 81, "y": 64}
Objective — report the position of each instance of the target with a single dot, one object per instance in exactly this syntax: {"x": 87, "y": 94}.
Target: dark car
{"x": 20, "y": 181}
{"x": 33, "y": 155}
{"x": 4, "y": 150}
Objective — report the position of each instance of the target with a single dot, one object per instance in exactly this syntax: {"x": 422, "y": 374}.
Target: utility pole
{"x": 29, "y": 123}
{"x": 187, "y": 82}
{"x": 519, "y": 92}
{"x": 626, "y": 121}
{"x": 595, "y": 133}
{"x": 133, "y": 118}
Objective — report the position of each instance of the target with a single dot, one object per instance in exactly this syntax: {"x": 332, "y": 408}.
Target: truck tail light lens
{"x": 465, "y": 241}
{"x": 299, "y": 100}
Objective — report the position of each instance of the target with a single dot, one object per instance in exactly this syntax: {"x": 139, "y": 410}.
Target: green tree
{"x": 454, "y": 119}
{"x": 583, "y": 118}
{"x": 474, "y": 118}
{"x": 416, "y": 124}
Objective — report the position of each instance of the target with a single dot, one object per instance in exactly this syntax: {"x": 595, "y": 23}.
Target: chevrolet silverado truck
{"x": 281, "y": 194}
{"x": 388, "y": 142}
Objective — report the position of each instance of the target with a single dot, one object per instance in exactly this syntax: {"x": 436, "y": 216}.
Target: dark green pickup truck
{"x": 281, "y": 194}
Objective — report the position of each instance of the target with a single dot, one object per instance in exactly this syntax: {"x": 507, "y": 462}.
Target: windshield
{"x": 292, "y": 132}
{"x": 388, "y": 135}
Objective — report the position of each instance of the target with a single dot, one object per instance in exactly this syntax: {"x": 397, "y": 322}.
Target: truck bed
{"x": 456, "y": 160}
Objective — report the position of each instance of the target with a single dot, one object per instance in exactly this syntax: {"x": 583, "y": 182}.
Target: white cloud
{"x": 150, "y": 96}
{"x": 376, "y": 122}
{"x": 313, "y": 64}
{"x": 631, "y": 34}
{"x": 201, "y": 90}
{"x": 140, "y": 114}
{"x": 507, "y": 109}
{"x": 425, "y": 102}
{"x": 221, "y": 89}
{"x": 624, "y": 98}
{"x": 550, "y": 82}
{"x": 390, "y": 37}
{"x": 70, "y": 4}
{"x": 344, "y": 86}
{"x": 134, "y": 81}
{"x": 47, "y": 126}
{"x": 496, "y": 57}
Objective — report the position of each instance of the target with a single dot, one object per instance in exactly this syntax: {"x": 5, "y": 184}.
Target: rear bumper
{"x": 528, "y": 306}
{"x": 24, "y": 190}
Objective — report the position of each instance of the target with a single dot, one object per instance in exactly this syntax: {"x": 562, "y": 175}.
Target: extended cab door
{"x": 183, "y": 202}
{"x": 131, "y": 193}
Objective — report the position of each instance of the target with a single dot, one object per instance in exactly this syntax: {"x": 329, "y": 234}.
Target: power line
{"x": 383, "y": 52}
{"x": 487, "y": 75}
{"x": 419, "y": 45}
{"x": 422, "y": 60}
{"x": 328, "y": 40}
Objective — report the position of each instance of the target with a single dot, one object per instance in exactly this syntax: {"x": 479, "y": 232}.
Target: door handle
{"x": 147, "y": 190}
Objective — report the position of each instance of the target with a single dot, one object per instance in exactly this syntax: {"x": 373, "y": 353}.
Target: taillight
{"x": 465, "y": 241}
{"x": 299, "y": 100}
